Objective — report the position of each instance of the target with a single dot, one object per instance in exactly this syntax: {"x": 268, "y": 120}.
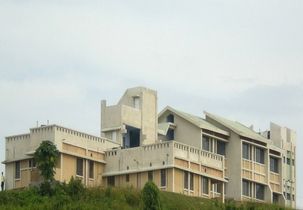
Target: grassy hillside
{"x": 112, "y": 198}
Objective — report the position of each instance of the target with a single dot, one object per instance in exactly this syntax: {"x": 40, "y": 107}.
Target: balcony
{"x": 163, "y": 155}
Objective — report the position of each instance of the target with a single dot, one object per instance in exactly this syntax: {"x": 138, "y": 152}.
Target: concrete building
{"x": 211, "y": 157}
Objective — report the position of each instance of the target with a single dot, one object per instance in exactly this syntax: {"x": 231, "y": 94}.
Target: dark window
{"x": 111, "y": 181}
{"x": 260, "y": 191}
{"x": 163, "y": 177}
{"x": 191, "y": 179}
{"x": 170, "y": 134}
{"x": 293, "y": 162}
{"x": 293, "y": 197}
{"x": 31, "y": 163}
{"x": 127, "y": 177}
{"x": 91, "y": 169}
{"x": 284, "y": 159}
{"x": 205, "y": 185}
{"x": 150, "y": 176}
{"x": 170, "y": 118}
{"x": 185, "y": 180}
{"x": 288, "y": 161}
{"x": 245, "y": 151}
{"x": 259, "y": 155}
{"x": 221, "y": 147}
{"x": 79, "y": 170}
{"x": 206, "y": 143}
{"x": 288, "y": 196}
{"x": 275, "y": 198}
{"x": 245, "y": 188}
{"x": 17, "y": 170}
{"x": 274, "y": 166}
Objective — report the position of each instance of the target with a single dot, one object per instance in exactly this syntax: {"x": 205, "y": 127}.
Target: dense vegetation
{"x": 74, "y": 196}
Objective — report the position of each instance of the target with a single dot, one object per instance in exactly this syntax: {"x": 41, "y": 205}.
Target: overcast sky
{"x": 239, "y": 59}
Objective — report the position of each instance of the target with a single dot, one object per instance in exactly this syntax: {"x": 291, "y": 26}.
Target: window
{"x": 136, "y": 102}
{"x": 114, "y": 135}
{"x": 170, "y": 118}
{"x": 275, "y": 198}
{"x": 288, "y": 161}
{"x": 170, "y": 134}
{"x": 288, "y": 196}
{"x": 205, "y": 185}
{"x": 220, "y": 147}
{"x": 260, "y": 191}
{"x": 293, "y": 197}
{"x": 111, "y": 181}
{"x": 127, "y": 177}
{"x": 274, "y": 167}
{"x": 206, "y": 143}
{"x": 259, "y": 155}
{"x": 293, "y": 162}
{"x": 79, "y": 170}
{"x": 245, "y": 188}
{"x": 150, "y": 176}
{"x": 185, "y": 180}
{"x": 17, "y": 170}
{"x": 245, "y": 151}
{"x": 163, "y": 177}
{"x": 91, "y": 169}
{"x": 191, "y": 179}
{"x": 31, "y": 163}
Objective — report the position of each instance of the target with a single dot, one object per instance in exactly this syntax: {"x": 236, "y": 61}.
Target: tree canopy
{"x": 46, "y": 156}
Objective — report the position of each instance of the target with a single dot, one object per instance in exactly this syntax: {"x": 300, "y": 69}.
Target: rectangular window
{"x": 206, "y": 143}
{"x": 220, "y": 147}
{"x": 170, "y": 134}
{"x": 79, "y": 169}
{"x": 185, "y": 180}
{"x": 150, "y": 176}
{"x": 136, "y": 102}
{"x": 191, "y": 181}
{"x": 274, "y": 166}
{"x": 260, "y": 191}
{"x": 17, "y": 170}
{"x": 245, "y": 188}
{"x": 111, "y": 181}
{"x": 127, "y": 177}
{"x": 170, "y": 118}
{"x": 288, "y": 196}
{"x": 245, "y": 151}
{"x": 259, "y": 155}
{"x": 163, "y": 177}
{"x": 205, "y": 185}
{"x": 275, "y": 198}
{"x": 114, "y": 135}
{"x": 91, "y": 169}
{"x": 293, "y": 162}
{"x": 293, "y": 197}
{"x": 288, "y": 161}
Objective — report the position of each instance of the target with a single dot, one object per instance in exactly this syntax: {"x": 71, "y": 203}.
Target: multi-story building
{"x": 211, "y": 157}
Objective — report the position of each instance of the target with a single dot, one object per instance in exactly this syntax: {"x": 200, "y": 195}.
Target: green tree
{"x": 46, "y": 156}
{"x": 151, "y": 197}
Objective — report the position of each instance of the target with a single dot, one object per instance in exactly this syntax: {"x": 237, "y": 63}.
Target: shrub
{"x": 75, "y": 188}
{"x": 150, "y": 197}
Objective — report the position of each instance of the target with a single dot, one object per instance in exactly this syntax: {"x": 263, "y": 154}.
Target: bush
{"x": 150, "y": 197}
{"x": 75, "y": 188}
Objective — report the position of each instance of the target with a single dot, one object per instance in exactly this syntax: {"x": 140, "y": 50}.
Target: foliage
{"x": 150, "y": 196}
{"x": 75, "y": 188}
{"x": 46, "y": 156}
{"x": 112, "y": 198}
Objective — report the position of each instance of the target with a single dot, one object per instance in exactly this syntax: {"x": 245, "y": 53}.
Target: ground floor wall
{"x": 23, "y": 173}
{"x": 171, "y": 179}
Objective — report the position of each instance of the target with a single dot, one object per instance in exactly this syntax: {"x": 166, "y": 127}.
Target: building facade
{"x": 210, "y": 157}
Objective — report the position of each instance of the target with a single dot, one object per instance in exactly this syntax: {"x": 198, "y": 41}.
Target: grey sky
{"x": 239, "y": 59}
